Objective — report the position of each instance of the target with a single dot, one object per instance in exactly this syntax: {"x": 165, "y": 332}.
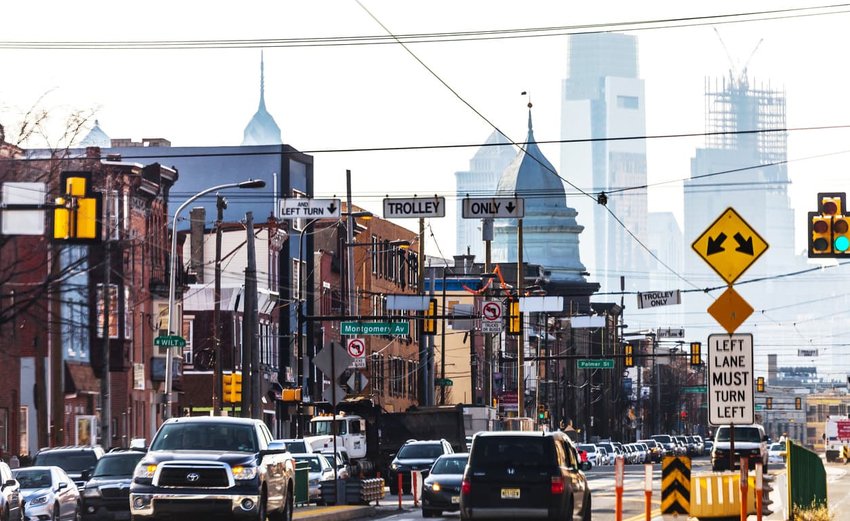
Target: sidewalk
{"x": 385, "y": 507}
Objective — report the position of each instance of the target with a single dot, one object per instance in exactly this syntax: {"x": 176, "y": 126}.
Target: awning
{"x": 80, "y": 379}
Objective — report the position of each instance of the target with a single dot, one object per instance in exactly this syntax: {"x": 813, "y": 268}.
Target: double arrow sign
{"x": 730, "y": 261}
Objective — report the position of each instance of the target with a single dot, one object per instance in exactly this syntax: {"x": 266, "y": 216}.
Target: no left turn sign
{"x": 491, "y": 317}
{"x": 356, "y": 347}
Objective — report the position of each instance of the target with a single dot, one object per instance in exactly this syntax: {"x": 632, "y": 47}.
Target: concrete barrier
{"x": 718, "y": 494}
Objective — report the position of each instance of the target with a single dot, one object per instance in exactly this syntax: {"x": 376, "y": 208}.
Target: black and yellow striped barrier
{"x": 675, "y": 485}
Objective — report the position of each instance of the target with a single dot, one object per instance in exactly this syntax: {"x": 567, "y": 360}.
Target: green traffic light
{"x": 841, "y": 244}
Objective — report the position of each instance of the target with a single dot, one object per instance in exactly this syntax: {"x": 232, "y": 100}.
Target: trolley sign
{"x": 491, "y": 317}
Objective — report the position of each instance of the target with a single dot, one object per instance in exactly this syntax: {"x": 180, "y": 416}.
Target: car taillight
{"x": 465, "y": 487}
{"x": 557, "y": 486}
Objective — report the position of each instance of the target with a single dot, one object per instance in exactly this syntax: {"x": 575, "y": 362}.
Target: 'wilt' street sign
{"x": 169, "y": 341}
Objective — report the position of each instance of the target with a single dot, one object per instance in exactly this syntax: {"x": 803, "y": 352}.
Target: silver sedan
{"x": 48, "y": 493}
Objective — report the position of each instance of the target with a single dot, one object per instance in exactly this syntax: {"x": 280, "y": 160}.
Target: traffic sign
{"x": 300, "y": 208}
{"x": 443, "y": 382}
{"x": 375, "y": 328}
{"x": 695, "y": 389}
{"x": 414, "y": 207}
{"x": 491, "y": 317}
{"x": 596, "y": 363}
{"x": 169, "y": 341}
{"x": 730, "y": 310}
{"x": 356, "y": 347}
{"x": 730, "y": 379}
{"x": 493, "y": 207}
{"x": 729, "y": 246}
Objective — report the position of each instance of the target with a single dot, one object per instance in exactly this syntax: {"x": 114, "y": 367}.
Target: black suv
{"x": 74, "y": 460}
{"x": 524, "y": 475}
{"x": 106, "y": 495}
{"x": 415, "y": 455}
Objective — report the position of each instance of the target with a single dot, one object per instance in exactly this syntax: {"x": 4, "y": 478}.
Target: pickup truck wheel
{"x": 285, "y": 513}
{"x": 261, "y": 508}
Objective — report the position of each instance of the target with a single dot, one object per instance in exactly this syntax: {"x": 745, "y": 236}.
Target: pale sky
{"x": 373, "y": 96}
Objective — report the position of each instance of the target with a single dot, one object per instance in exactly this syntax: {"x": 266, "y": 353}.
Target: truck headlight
{"x": 242, "y": 473}
{"x": 91, "y": 492}
{"x": 145, "y": 471}
{"x": 394, "y": 466}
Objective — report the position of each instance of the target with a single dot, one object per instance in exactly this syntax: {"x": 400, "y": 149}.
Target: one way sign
{"x": 300, "y": 208}
{"x": 730, "y": 246}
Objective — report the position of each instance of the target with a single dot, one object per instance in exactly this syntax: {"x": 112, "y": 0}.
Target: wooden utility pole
{"x": 105, "y": 399}
{"x": 220, "y": 205}
{"x": 520, "y": 387}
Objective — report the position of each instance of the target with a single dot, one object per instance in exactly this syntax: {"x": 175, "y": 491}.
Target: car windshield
{"x": 314, "y": 461}
{"x": 296, "y": 446}
{"x": 324, "y": 428}
{"x": 32, "y": 478}
{"x": 420, "y": 451}
{"x": 205, "y": 436}
{"x": 68, "y": 461}
{"x": 449, "y": 466}
{"x": 662, "y": 438}
{"x": 122, "y": 465}
{"x": 588, "y": 448}
{"x": 777, "y": 446}
{"x": 747, "y": 434}
{"x": 501, "y": 451}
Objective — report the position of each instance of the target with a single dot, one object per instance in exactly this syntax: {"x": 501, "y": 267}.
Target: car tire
{"x": 261, "y": 508}
{"x": 78, "y": 513}
{"x": 428, "y": 513}
{"x": 55, "y": 516}
{"x": 588, "y": 507}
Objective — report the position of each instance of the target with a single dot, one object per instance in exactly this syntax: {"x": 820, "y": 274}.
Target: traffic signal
{"x": 769, "y": 403}
{"x": 760, "y": 384}
{"x": 514, "y": 317}
{"x": 798, "y": 403}
{"x": 541, "y": 412}
{"x": 232, "y": 387}
{"x": 829, "y": 227}
{"x": 429, "y": 323}
{"x": 77, "y": 213}
{"x": 696, "y": 353}
{"x": 629, "y": 352}
{"x": 291, "y": 395}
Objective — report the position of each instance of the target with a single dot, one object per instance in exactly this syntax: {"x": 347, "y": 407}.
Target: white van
{"x": 750, "y": 441}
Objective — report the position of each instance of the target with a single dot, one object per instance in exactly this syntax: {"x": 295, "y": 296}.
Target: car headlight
{"x": 435, "y": 486}
{"x": 91, "y": 492}
{"x": 314, "y": 482}
{"x": 394, "y": 466}
{"x": 40, "y": 500}
{"x": 145, "y": 471}
{"x": 243, "y": 473}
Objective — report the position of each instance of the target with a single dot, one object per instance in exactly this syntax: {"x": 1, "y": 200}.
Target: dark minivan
{"x": 524, "y": 475}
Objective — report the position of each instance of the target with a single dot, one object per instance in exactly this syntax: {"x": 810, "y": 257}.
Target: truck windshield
{"x": 741, "y": 434}
{"x": 323, "y": 428}
{"x": 205, "y": 436}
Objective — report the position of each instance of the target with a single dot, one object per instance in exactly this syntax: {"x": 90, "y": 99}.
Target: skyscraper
{"x": 603, "y": 99}
{"x": 262, "y": 129}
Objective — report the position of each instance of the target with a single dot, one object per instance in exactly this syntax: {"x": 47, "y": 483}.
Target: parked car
{"x": 584, "y": 463}
{"x": 417, "y": 455}
{"x": 106, "y": 494}
{"x": 320, "y": 470}
{"x": 667, "y": 444}
{"x": 593, "y": 454}
{"x": 343, "y": 465}
{"x": 523, "y": 475}
{"x": 10, "y": 494}
{"x": 441, "y": 489}
{"x": 48, "y": 492}
{"x": 73, "y": 460}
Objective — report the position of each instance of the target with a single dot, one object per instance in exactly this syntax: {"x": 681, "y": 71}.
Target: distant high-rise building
{"x": 603, "y": 99}
{"x": 262, "y": 129}
{"x": 485, "y": 168}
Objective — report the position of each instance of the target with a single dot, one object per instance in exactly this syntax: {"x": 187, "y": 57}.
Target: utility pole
{"x": 520, "y": 389}
{"x": 220, "y": 205}
{"x": 423, "y": 340}
{"x": 487, "y": 236}
{"x": 250, "y": 354}
{"x": 105, "y": 399}
{"x": 53, "y": 342}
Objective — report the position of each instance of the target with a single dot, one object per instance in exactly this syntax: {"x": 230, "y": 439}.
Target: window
{"x": 373, "y": 249}
{"x": 296, "y": 278}
{"x": 23, "y": 430}
{"x": 188, "y": 329}
{"x": 628, "y": 102}
{"x": 113, "y": 311}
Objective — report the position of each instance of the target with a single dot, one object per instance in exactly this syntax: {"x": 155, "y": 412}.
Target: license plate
{"x": 510, "y": 493}
{"x": 455, "y": 500}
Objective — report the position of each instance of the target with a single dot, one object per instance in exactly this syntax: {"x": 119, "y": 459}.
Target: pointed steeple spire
{"x": 262, "y": 129}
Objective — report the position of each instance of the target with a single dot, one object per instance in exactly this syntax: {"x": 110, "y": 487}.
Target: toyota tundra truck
{"x": 213, "y": 467}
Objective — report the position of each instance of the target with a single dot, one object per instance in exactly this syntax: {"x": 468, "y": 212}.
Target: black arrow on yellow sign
{"x": 744, "y": 245}
{"x": 675, "y": 485}
{"x": 715, "y": 245}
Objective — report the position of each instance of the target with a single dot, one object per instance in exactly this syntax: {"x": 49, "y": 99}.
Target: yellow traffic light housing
{"x": 760, "y": 384}
{"x": 77, "y": 213}
{"x": 629, "y": 358}
{"x": 231, "y": 387}
{"x": 514, "y": 317}
{"x": 696, "y": 353}
{"x": 798, "y": 403}
{"x": 291, "y": 395}
{"x": 829, "y": 227}
{"x": 429, "y": 323}
{"x": 769, "y": 403}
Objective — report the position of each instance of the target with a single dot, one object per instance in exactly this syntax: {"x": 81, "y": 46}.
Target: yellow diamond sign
{"x": 729, "y": 246}
{"x": 730, "y": 310}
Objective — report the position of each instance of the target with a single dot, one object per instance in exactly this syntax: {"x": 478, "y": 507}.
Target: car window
{"x": 747, "y": 434}
{"x": 498, "y": 451}
{"x": 420, "y": 451}
{"x": 207, "y": 436}
{"x": 296, "y": 446}
{"x": 449, "y": 466}
{"x": 70, "y": 461}
{"x": 33, "y": 478}
{"x": 117, "y": 465}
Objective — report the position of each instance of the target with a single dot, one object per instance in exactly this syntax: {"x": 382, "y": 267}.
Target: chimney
{"x": 197, "y": 218}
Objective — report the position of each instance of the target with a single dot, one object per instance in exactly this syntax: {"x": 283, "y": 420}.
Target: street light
{"x": 251, "y": 183}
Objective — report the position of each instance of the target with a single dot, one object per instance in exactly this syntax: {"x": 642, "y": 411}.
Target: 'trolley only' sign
{"x": 652, "y": 299}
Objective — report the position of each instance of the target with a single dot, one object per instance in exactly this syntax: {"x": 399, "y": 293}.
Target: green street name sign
{"x": 601, "y": 363}
{"x": 375, "y": 328}
{"x": 169, "y": 341}
{"x": 698, "y": 389}
{"x": 443, "y": 382}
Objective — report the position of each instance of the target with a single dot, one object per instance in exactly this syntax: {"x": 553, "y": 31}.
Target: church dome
{"x": 96, "y": 137}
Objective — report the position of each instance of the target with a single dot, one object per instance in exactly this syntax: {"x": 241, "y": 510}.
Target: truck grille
{"x": 194, "y": 476}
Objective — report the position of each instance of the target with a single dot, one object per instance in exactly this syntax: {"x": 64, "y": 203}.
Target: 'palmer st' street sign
{"x": 596, "y": 363}
{"x": 415, "y": 207}
{"x": 730, "y": 379}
